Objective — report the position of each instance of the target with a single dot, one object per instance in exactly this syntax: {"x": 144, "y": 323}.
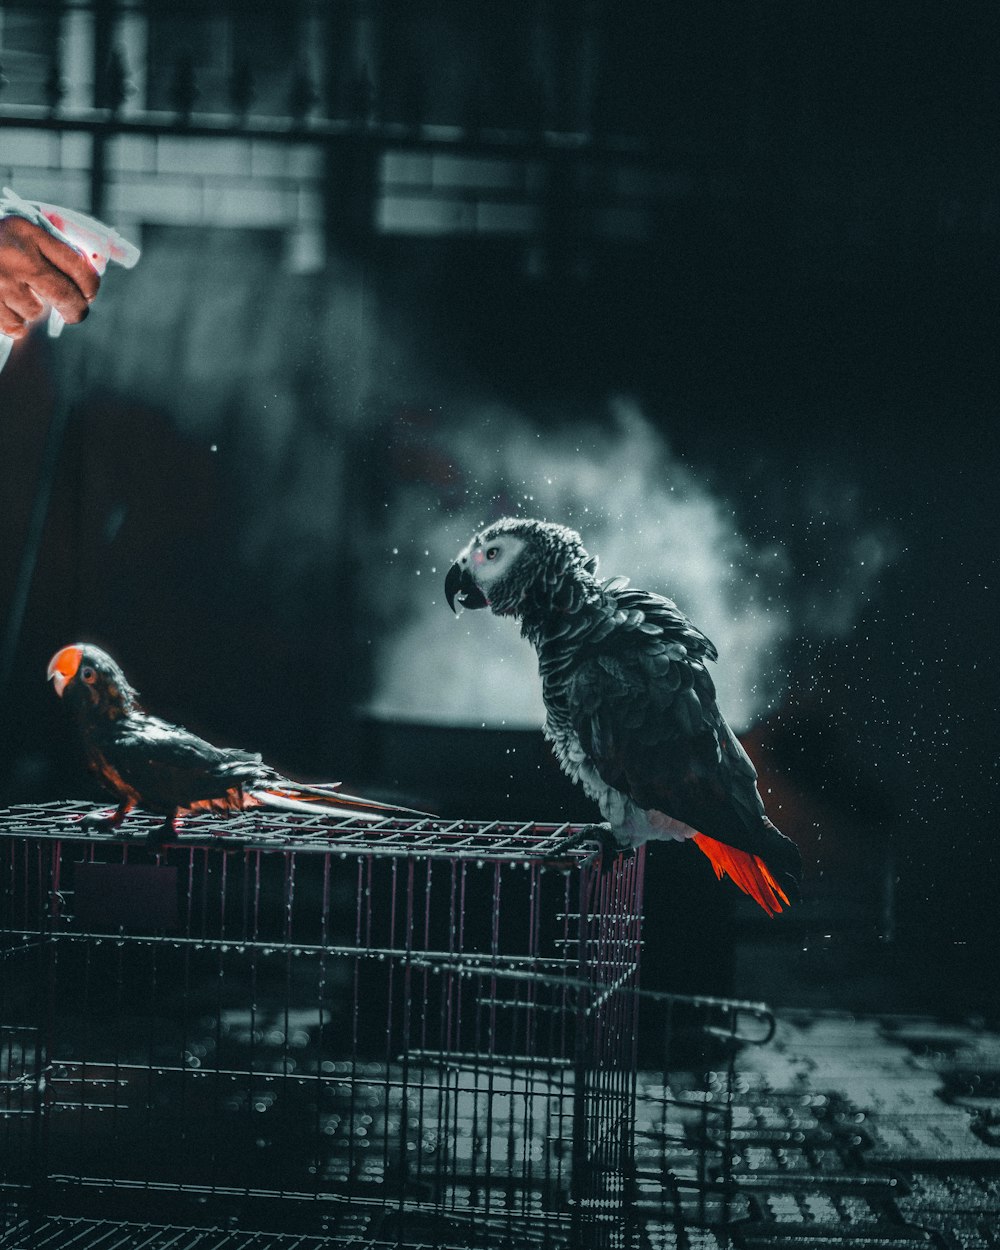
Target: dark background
{"x": 800, "y": 298}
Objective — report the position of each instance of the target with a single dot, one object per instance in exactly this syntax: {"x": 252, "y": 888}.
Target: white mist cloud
{"x": 642, "y": 511}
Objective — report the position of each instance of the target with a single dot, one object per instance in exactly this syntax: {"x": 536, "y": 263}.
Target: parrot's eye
{"x": 88, "y": 675}
{"x": 492, "y": 553}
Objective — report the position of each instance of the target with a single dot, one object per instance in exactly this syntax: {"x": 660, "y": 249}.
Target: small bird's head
{"x": 514, "y": 562}
{"x": 90, "y": 680}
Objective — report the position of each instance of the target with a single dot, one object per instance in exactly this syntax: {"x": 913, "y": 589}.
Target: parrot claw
{"x": 162, "y": 833}
{"x": 558, "y": 858}
{"x": 604, "y": 854}
{"x": 98, "y": 822}
{"x": 103, "y": 821}
{"x": 608, "y": 849}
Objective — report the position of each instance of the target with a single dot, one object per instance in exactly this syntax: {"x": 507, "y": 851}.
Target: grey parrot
{"x": 630, "y": 706}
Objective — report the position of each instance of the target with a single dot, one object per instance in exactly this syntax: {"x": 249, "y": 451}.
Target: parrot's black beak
{"x": 452, "y": 585}
{"x": 459, "y": 583}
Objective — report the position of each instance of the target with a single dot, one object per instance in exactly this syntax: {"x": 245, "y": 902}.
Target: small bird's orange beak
{"x": 63, "y": 667}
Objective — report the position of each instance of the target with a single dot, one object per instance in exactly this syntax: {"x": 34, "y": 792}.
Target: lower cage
{"x": 278, "y": 1031}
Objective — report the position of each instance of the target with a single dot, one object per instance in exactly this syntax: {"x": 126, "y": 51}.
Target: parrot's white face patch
{"x": 492, "y": 559}
{"x": 477, "y": 571}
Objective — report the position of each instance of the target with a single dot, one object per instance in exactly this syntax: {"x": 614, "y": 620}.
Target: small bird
{"x": 630, "y": 706}
{"x": 145, "y": 761}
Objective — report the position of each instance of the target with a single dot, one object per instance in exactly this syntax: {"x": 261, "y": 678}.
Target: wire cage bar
{"x": 415, "y": 1030}
{"x": 284, "y": 1031}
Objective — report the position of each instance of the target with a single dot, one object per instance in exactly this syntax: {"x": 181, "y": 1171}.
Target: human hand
{"x": 37, "y": 270}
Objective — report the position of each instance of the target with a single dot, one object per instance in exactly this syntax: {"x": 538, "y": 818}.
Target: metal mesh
{"x": 430, "y": 838}
{"x": 413, "y": 1026}
{"x": 62, "y": 1233}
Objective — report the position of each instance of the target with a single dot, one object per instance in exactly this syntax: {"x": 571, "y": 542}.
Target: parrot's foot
{"x": 99, "y": 822}
{"x": 104, "y": 821}
{"x": 162, "y": 833}
{"x": 608, "y": 849}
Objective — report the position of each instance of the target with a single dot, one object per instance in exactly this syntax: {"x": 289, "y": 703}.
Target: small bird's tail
{"x": 748, "y": 871}
{"x": 327, "y": 800}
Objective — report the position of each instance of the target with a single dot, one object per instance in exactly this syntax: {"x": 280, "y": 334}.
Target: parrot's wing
{"x": 648, "y": 719}
{"x": 668, "y": 620}
{"x": 168, "y": 765}
{"x": 641, "y": 721}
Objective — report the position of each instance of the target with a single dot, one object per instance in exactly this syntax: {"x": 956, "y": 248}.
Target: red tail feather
{"x": 749, "y": 872}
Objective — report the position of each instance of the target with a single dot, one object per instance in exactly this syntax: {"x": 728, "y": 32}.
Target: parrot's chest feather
{"x": 558, "y": 658}
{"x": 113, "y": 779}
{"x": 99, "y": 747}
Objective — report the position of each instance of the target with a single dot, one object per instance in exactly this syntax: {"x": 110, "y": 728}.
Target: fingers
{"x": 11, "y": 324}
{"x": 79, "y": 271}
{"x": 61, "y": 292}
{"x": 31, "y": 260}
{"x": 23, "y": 302}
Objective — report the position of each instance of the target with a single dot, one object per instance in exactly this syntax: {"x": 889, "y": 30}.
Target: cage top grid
{"x": 480, "y": 840}
{"x": 73, "y": 1233}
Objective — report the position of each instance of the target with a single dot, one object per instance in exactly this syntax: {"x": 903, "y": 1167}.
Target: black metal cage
{"x": 417, "y": 1020}
{"x": 413, "y": 1034}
